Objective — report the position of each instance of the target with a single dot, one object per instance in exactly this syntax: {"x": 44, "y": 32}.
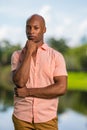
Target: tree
{"x": 77, "y": 58}
{"x": 83, "y": 57}
{"x": 59, "y": 45}
{"x": 6, "y": 50}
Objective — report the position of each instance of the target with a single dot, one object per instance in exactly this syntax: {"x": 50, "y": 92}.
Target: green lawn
{"x": 77, "y": 81}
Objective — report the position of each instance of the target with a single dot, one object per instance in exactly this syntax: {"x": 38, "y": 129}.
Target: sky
{"x": 64, "y": 19}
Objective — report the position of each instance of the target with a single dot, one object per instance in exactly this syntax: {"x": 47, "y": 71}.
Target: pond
{"x": 74, "y": 118}
{"x": 68, "y": 120}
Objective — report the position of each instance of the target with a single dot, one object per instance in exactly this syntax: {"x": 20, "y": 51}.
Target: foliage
{"x": 76, "y": 58}
{"x": 6, "y": 50}
{"x": 5, "y": 78}
{"x": 83, "y": 56}
{"x": 59, "y": 45}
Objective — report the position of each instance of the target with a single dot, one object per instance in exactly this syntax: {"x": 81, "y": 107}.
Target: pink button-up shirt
{"x": 49, "y": 63}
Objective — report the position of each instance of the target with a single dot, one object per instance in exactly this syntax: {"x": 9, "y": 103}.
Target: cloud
{"x": 69, "y": 29}
{"x": 60, "y": 23}
{"x": 45, "y": 12}
{"x": 83, "y": 27}
{"x": 78, "y": 31}
{"x": 15, "y": 34}
{"x": 67, "y": 21}
{"x": 11, "y": 12}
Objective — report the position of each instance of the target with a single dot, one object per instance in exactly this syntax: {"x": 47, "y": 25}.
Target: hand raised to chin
{"x": 31, "y": 46}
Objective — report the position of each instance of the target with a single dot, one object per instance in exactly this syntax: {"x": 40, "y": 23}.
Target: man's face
{"x": 35, "y": 29}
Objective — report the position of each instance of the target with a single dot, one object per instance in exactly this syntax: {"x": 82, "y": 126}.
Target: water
{"x": 69, "y": 120}
{"x": 6, "y": 120}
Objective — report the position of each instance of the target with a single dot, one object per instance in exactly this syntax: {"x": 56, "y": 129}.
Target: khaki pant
{"x": 23, "y": 125}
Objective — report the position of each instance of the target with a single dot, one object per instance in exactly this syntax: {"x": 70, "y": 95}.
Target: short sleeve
{"x": 14, "y": 60}
{"x": 60, "y": 65}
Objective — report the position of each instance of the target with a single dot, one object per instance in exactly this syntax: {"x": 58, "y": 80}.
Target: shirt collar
{"x": 44, "y": 46}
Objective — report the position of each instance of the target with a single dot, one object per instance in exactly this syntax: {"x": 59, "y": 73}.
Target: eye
{"x": 36, "y": 28}
{"x": 28, "y": 26}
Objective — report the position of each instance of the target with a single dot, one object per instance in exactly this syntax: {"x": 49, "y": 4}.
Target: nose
{"x": 31, "y": 31}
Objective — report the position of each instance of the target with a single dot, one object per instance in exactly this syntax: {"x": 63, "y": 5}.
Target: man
{"x": 40, "y": 76}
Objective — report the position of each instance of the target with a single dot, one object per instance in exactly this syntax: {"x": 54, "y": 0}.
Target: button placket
{"x": 36, "y": 85}
{"x": 36, "y": 67}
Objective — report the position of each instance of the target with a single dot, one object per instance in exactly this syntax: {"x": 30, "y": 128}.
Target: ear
{"x": 44, "y": 30}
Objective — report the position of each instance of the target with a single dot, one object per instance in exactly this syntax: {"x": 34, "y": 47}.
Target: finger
{"x": 15, "y": 91}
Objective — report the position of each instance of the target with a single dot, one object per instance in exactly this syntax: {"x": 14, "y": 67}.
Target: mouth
{"x": 31, "y": 37}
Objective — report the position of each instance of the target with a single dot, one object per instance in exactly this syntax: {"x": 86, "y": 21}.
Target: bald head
{"x": 37, "y": 17}
{"x": 35, "y": 28}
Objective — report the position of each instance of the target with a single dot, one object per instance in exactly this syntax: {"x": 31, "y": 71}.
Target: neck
{"x": 40, "y": 43}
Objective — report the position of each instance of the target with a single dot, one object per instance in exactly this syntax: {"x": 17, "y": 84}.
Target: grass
{"x": 77, "y": 81}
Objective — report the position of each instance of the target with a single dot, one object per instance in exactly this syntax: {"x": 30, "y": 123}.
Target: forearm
{"x": 21, "y": 75}
{"x": 48, "y": 92}
{"x": 51, "y": 91}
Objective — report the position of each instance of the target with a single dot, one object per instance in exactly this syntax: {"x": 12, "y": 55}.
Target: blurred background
{"x": 66, "y": 23}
